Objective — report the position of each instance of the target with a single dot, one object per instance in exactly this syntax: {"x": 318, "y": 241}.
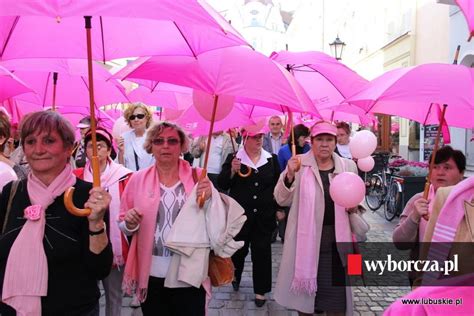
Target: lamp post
{"x": 337, "y": 46}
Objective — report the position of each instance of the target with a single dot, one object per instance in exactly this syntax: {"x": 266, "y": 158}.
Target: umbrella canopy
{"x": 348, "y": 113}
{"x": 72, "y": 84}
{"x": 418, "y": 92}
{"x": 11, "y": 85}
{"x": 467, "y": 8}
{"x": 121, "y": 28}
{"x": 326, "y": 80}
{"x": 240, "y": 72}
{"x": 163, "y": 95}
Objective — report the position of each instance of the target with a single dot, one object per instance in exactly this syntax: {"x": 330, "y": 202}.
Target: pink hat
{"x": 255, "y": 129}
{"x": 323, "y": 127}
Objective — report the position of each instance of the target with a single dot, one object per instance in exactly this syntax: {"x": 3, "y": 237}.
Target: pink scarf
{"x": 448, "y": 222}
{"x": 143, "y": 193}
{"x": 26, "y": 273}
{"x": 109, "y": 180}
{"x": 307, "y": 245}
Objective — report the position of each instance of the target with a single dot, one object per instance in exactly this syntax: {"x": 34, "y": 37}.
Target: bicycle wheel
{"x": 374, "y": 192}
{"x": 394, "y": 201}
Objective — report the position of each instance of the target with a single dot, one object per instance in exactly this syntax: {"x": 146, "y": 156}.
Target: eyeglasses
{"x": 99, "y": 146}
{"x": 138, "y": 116}
{"x": 169, "y": 141}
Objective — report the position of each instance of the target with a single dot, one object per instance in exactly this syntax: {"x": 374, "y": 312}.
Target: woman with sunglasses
{"x": 131, "y": 152}
{"x": 255, "y": 194}
{"x": 150, "y": 206}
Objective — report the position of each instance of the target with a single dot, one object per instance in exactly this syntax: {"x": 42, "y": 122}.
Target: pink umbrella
{"x": 348, "y": 113}
{"x": 233, "y": 74}
{"x": 123, "y": 28}
{"x": 233, "y": 71}
{"x": 11, "y": 85}
{"x": 163, "y": 95}
{"x": 72, "y": 84}
{"x": 417, "y": 92}
{"x": 467, "y": 8}
{"x": 326, "y": 80}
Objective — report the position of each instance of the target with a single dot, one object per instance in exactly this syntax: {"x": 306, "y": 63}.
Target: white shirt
{"x": 214, "y": 164}
{"x": 344, "y": 151}
{"x": 245, "y": 159}
{"x": 171, "y": 201}
{"x": 7, "y": 174}
{"x": 134, "y": 144}
{"x": 276, "y": 143}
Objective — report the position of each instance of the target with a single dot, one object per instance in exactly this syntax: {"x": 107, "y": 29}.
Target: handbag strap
{"x": 9, "y": 205}
{"x": 136, "y": 160}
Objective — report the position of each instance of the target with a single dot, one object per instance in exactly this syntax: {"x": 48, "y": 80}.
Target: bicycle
{"x": 383, "y": 187}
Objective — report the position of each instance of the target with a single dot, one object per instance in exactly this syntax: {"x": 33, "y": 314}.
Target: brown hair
{"x": 47, "y": 121}
{"x": 132, "y": 107}
{"x": 157, "y": 129}
{"x": 4, "y": 129}
{"x": 345, "y": 127}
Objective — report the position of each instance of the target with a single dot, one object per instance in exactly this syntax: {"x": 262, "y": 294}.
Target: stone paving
{"x": 226, "y": 302}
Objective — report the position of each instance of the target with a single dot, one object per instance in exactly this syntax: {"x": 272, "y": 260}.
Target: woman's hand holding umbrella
{"x": 204, "y": 188}
{"x": 98, "y": 202}
{"x": 293, "y": 166}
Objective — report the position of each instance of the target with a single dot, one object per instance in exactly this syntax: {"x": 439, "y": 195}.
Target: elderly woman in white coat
{"x": 310, "y": 258}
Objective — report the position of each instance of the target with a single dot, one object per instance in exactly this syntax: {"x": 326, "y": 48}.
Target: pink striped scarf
{"x": 306, "y": 264}
{"x": 143, "y": 193}
{"x": 26, "y": 273}
{"x": 447, "y": 224}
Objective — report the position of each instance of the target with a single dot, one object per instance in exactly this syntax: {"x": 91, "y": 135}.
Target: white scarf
{"x": 110, "y": 179}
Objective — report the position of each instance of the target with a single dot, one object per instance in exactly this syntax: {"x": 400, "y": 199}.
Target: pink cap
{"x": 323, "y": 127}
{"x": 255, "y": 129}
{"x": 102, "y": 132}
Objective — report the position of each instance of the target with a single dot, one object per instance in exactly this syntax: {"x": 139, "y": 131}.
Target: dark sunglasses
{"x": 138, "y": 116}
{"x": 161, "y": 141}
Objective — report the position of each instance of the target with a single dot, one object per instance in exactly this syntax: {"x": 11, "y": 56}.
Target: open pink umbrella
{"x": 418, "y": 92}
{"x": 11, "y": 85}
{"x": 467, "y": 8}
{"x": 122, "y": 28}
{"x": 326, "y": 80}
{"x": 234, "y": 74}
{"x": 163, "y": 95}
{"x": 72, "y": 87}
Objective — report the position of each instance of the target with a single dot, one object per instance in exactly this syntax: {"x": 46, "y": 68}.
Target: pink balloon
{"x": 347, "y": 189}
{"x": 204, "y": 104}
{"x": 120, "y": 127}
{"x": 363, "y": 144}
{"x": 366, "y": 164}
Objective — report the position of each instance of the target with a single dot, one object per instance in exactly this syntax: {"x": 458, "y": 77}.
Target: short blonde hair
{"x": 157, "y": 129}
{"x": 132, "y": 107}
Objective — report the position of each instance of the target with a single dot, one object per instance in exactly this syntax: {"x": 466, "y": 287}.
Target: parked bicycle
{"x": 383, "y": 187}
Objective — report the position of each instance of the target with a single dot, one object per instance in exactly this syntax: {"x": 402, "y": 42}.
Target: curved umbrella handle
{"x": 245, "y": 175}
{"x": 68, "y": 203}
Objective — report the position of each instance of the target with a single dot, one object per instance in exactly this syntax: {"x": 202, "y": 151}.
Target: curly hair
{"x": 4, "y": 129}
{"x": 132, "y": 107}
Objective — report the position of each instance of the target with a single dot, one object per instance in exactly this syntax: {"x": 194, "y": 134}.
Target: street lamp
{"x": 337, "y": 46}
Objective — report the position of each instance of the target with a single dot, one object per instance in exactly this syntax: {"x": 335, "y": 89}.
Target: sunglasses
{"x": 138, "y": 116}
{"x": 169, "y": 141}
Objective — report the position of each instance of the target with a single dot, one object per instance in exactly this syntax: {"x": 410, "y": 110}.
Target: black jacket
{"x": 73, "y": 270}
{"x": 254, "y": 193}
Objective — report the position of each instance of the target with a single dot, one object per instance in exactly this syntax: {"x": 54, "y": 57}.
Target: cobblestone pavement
{"x": 226, "y": 302}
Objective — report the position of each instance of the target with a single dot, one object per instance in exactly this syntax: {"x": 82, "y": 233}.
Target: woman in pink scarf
{"x": 449, "y": 170}
{"x": 150, "y": 205}
{"x": 50, "y": 260}
{"x": 113, "y": 178}
{"x": 310, "y": 257}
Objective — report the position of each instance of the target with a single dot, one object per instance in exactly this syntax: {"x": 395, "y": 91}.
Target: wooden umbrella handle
{"x": 245, "y": 175}
{"x": 68, "y": 195}
{"x": 202, "y": 198}
{"x": 433, "y": 157}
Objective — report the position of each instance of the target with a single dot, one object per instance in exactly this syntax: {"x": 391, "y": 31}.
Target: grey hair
{"x": 155, "y": 131}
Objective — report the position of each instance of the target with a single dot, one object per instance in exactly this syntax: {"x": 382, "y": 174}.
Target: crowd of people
{"x": 145, "y": 237}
